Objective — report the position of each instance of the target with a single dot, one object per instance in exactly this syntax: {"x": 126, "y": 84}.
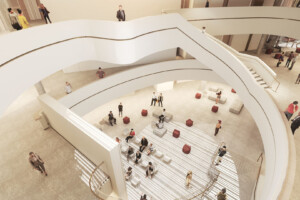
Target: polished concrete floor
{"x": 21, "y": 134}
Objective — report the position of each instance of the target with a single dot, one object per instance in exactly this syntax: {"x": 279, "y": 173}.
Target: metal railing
{"x": 97, "y": 180}
{"x": 261, "y": 158}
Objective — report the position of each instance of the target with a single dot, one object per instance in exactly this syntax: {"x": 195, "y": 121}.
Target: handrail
{"x": 258, "y": 174}
{"x": 107, "y": 178}
{"x": 214, "y": 179}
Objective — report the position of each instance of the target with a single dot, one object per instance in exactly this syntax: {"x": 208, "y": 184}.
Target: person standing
{"x": 37, "y": 163}
{"x": 121, "y": 14}
{"x": 22, "y": 19}
{"x": 203, "y": 29}
{"x": 160, "y": 100}
{"x": 218, "y": 96}
{"x": 111, "y": 118}
{"x": 14, "y": 20}
{"x": 100, "y": 73}
{"x": 218, "y": 127}
{"x": 68, "y": 88}
{"x": 207, "y": 4}
{"x": 144, "y": 144}
{"x": 222, "y": 195}
{"x": 291, "y": 56}
{"x": 138, "y": 156}
{"x": 154, "y": 99}
{"x": 293, "y": 107}
{"x": 128, "y": 173}
{"x": 120, "y": 108}
{"x": 45, "y": 13}
{"x": 130, "y": 136}
{"x": 298, "y": 79}
{"x": 296, "y": 123}
{"x": 188, "y": 178}
{"x": 280, "y": 59}
{"x": 221, "y": 153}
{"x": 293, "y": 62}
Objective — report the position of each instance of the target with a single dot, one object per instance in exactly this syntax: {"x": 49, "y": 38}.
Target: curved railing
{"x": 244, "y": 20}
{"x": 128, "y": 42}
{"x": 97, "y": 181}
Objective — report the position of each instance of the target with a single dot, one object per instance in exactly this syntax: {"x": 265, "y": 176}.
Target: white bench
{"x": 135, "y": 181}
{"x": 236, "y": 106}
{"x": 212, "y": 96}
{"x": 167, "y": 159}
{"x": 137, "y": 140}
{"x": 126, "y": 132}
{"x": 145, "y": 163}
{"x": 213, "y": 89}
{"x": 158, "y": 154}
{"x": 160, "y": 131}
{"x": 124, "y": 149}
{"x": 157, "y": 112}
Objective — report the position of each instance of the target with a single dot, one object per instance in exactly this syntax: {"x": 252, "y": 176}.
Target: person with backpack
{"x": 222, "y": 195}
{"x": 280, "y": 59}
{"x": 14, "y": 20}
{"x": 221, "y": 153}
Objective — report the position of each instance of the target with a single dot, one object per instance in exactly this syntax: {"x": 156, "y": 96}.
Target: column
{"x": 261, "y": 44}
{"x": 40, "y": 88}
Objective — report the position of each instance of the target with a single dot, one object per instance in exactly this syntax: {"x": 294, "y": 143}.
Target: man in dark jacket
{"x": 121, "y": 14}
{"x": 222, "y": 152}
{"x": 295, "y": 124}
{"x": 144, "y": 144}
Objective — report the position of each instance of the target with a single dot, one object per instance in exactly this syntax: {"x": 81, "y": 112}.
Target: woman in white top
{"x": 68, "y": 88}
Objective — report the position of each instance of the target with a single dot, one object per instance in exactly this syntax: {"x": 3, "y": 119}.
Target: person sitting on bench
{"x": 162, "y": 116}
{"x": 150, "y": 149}
{"x": 129, "y": 152}
{"x": 150, "y": 170}
{"x": 138, "y": 156}
{"x": 111, "y": 118}
{"x": 128, "y": 173}
{"x": 131, "y": 135}
{"x": 144, "y": 144}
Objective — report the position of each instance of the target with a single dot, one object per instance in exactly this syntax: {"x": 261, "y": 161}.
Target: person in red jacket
{"x": 293, "y": 107}
{"x": 131, "y": 135}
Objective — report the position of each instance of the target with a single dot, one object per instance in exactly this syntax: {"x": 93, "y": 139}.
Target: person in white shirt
{"x": 162, "y": 116}
{"x": 68, "y": 88}
{"x": 203, "y": 29}
{"x": 154, "y": 99}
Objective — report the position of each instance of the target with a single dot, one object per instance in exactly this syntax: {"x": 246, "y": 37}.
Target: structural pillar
{"x": 40, "y": 88}
{"x": 261, "y": 44}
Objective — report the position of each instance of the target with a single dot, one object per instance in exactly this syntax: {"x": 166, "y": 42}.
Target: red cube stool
{"x": 176, "y": 133}
{"x": 298, "y": 50}
{"x": 126, "y": 120}
{"x": 233, "y": 91}
{"x": 277, "y": 55}
{"x": 144, "y": 112}
{"x": 189, "y": 122}
{"x": 198, "y": 96}
{"x": 215, "y": 109}
{"x": 186, "y": 149}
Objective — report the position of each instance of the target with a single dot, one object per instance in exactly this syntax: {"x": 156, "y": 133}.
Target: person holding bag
{"x": 13, "y": 17}
{"x": 37, "y": 163}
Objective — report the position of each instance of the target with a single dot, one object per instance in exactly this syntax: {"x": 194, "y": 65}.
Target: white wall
{"x": 254, "y": 41}
{"x": 106, "y": 9}
{"x": 238, "y": 42}
{"x": 90, "y": 141}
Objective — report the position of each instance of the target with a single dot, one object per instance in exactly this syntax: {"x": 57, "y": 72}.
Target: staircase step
{"x": 259, "y": 79}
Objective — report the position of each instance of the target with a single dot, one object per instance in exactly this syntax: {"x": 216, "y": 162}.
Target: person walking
{"x": 222, "y": 195}
{"x": 45, "y": 13}
{"x": 293, "y": 62}
{"x": 298, "y": 79}
{"x": 68, "y": 88}
{"x": 221, "y": 153}
{"x": 219, "y": 94}
{"x": 144, "y": 144}
{"x": 280, "y": 59}
{"x": 154, "y": 99}
{"x": 129, "y": 152}
{"x": 121, "y": 14}
{"x": 207, "y": 4}
{"x": 14, "y": 20}
{"x": 120, "y": 108}
{"x": 37, "y": 163}
{"x": 130, "y": 136}
{"x": 160, "y": 100}
{"x": 295, "y": 123}
{"x": 291, "y": 56}
{"x": 100, "y": 73}
{"x": 218, "y": 127}
{"x": 293, "y": 107}
{"x": 188, "y": 178}
{"x": 22, "y": 19}
{"x": 138, "y": 156}
{"x": 111, "y": 118}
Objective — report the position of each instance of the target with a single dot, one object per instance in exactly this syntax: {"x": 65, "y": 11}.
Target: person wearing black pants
{"x": 280, "y": 59}
{"x": 111, "y": 118}
{"x": 298, "y": 79}
{"x": 144, "y": 144}
{"x": 120, "y": 108}
{"x": 45, "y": 13}
{"x": 160, "y": 100}
{"x": 154, "y": 99}
{"x": 162, "y": 116}
{"x": 295, "y": 124}
{"x": 138, "y": 156}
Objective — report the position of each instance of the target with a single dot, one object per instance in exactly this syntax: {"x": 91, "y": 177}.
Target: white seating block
{"x": 213, "y": 89}
{"x": 124, "y": 149}
{"x": 137, "y": 140}
{"x": 212, "y": 96}
{"x": 236, "y": 106}
{"x": 160, "y": 132}
{"x": 144, "y": 163}
{"x": 126, "y": 132}
{"x": 135, "y": 181}
{"x": 167, "y": 159}
{"x": 158, "y": 154}
{"x": 157, "y": 112}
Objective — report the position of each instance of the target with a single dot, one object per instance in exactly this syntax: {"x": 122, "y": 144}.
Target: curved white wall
{"x": 125, "y": 43}
{"x": 245, "y": 20}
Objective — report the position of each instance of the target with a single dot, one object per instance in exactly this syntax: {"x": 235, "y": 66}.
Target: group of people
{"x": 290, "y": 62}
{"x": 291, "y": 109}
{"x": 19, "y": 21}
{"x": 159, "y": 99}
